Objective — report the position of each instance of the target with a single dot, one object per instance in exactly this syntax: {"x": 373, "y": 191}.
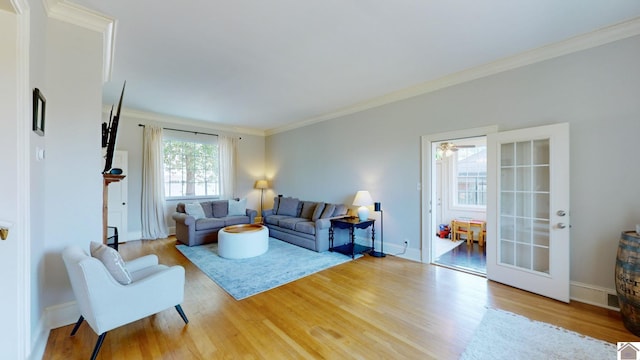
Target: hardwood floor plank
{"x": 367, "y": 308}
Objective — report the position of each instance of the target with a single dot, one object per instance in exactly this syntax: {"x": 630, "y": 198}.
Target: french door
{"x": 528, "y": 209}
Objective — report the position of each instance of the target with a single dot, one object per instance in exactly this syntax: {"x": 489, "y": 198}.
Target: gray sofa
{"x": 302, "y": 223}
{"x": 192, "y": 230}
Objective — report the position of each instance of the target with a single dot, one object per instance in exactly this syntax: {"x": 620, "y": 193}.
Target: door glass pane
{"x": 523, "y": 256}
{"x": 541, "y": 178}
{"x": 524, "y": 205}
{"x": 507, "y": 155}
{"x": 523, "y": 153}
{"x": 523, "y": 230}
{"x": 541, "y": 152}
{"x": 541, "y": 233}
{"x": 523, "y": 178}
{"x": 506, "y": 252}
{"x": 541, "y": 259}
{"x": 508, "y": 179}
{"x": 541, "y": 206}
{"x": 507, "y": 228}
{"x": 508, "y": 202}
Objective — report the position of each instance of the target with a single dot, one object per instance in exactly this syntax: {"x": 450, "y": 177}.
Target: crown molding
{"x": 578, "y": 43}
{"x": 155, "y": 117}
{"x": 89, "y": 19}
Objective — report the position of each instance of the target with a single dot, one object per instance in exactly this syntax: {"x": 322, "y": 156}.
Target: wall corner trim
{"x": 89, "y": 19}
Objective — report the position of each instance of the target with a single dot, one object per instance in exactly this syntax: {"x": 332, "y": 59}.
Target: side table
{"x": 351, "y": 223}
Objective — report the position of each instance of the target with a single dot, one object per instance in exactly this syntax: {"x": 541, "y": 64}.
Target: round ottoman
{"x": 243, "y": 241}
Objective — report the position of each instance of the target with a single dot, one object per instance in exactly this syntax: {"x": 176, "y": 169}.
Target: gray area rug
{"x": 504, "y": 335}
{"x": 241, "y": 278}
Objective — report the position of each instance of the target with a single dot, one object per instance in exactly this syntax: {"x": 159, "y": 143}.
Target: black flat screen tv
{"x": 111, "y": 130}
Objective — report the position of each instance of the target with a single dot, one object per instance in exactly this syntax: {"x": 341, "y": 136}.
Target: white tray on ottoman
{"x": 243, "y": 241}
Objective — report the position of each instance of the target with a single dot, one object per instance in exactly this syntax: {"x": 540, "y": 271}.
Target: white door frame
{"x": 14, "y": 252}
{"x": 428, "y": 182}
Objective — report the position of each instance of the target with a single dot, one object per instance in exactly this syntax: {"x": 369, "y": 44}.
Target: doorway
{"x": 460, "y": 181}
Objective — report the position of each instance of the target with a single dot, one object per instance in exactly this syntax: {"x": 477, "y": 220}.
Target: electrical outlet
{"x": 406, "y": 242}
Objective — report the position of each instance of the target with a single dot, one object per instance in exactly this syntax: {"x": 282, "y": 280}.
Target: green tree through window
{"x": 191, "y": 169}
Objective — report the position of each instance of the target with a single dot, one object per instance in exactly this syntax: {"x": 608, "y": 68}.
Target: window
{"x": 470, "y": 176}
{"x": 190, "y": 165}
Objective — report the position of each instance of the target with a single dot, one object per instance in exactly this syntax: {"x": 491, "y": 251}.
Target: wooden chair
{"x": 459, "y": 228}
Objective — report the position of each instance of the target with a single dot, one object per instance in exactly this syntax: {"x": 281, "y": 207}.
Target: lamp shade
{"x": 261, "y": 184}
{"x": 363, "y": 199}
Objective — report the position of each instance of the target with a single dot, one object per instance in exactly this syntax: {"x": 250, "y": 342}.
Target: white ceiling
{"x": 269, "y": 64}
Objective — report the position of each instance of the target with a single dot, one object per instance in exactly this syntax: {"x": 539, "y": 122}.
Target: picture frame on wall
{"x": 39, "y": 106}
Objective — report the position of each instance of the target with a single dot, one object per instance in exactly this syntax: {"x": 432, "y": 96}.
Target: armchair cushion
{"x": 112, "y": 261}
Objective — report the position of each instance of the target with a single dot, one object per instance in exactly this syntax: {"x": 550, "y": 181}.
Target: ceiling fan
{"x": 448, "y": 147}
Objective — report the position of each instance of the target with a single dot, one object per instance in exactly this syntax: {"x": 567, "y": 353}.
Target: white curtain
{"x": 227, "y": 152}
{"x": 154, "y": 225}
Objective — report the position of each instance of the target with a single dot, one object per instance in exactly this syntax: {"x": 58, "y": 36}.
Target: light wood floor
{"x": 370, "y": 308}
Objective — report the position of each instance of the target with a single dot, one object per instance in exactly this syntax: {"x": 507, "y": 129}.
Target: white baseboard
{"x": 39, "y": 340}
{"x": 53, "y": 317}
{"x": 592, "y": 295}
{"x": 61, "y": 315}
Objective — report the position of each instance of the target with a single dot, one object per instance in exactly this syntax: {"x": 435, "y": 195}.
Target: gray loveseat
{"x": 302, "y": 223}
{"x": 192, "y": 230}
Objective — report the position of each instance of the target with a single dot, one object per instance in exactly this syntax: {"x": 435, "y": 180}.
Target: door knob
{"x": 561, "y": 213}
{"x": 4, "y": 233}
{"x": 561, "y": 226}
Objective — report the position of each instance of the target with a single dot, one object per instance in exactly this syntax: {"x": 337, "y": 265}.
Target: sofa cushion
{"x": 235, "y": 220}
{"x": 207, "y": 207}
{"x": 276, "y": 204}
{"x": 307, "y": 209}
{"x": 274, "y": 219}
{"x": 112, "y": 261}
{"x": 237, "y": 207}
{"x": 290, "y": 223}
{"x": 209, "y": 223}
{"x": 328, "y": 211}
{"x": 220, "y": 208}
{"x": 288, "y": 206}
{"x": 307, "y": 227}
{"x": 195, "y": 210}
{"x": 317, "y": 212}
{"x": 340, "y": 210}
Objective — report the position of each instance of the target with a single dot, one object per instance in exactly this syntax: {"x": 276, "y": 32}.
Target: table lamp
{"x": 363, "y": 200}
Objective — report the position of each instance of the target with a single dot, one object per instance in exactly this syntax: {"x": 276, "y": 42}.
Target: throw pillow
{"x": 307, "y": 209}
{"x": 288, "y": 206}
{"x": 195, "y": 210}
{"x": 112, "y": 261}
{"x": 328, "y": 211}
{"x": 220, "y": 208}
{"x": 317, "y": 212}
{"x": 237, "y": 207}
{"x": 340, "y": 210}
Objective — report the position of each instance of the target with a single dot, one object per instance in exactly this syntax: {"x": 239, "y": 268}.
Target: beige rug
{"x": 504, "y": 335}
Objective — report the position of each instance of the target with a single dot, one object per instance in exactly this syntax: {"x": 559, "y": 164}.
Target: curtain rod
{"x": 187, "y": 131}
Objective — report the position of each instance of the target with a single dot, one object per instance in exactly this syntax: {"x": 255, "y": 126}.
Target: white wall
{"x": 595, "y": 90}
{"x": 72, "y": 206}
{"x": 37, "y": 63}
{"x": 251, "y": 163}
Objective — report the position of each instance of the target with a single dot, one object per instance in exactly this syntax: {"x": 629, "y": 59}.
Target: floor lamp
{"x": 261, "y": 184}
{"x": 373, "y": 252}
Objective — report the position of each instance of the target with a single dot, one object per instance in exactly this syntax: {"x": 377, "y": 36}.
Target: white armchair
{"x": 153, "y": 288}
